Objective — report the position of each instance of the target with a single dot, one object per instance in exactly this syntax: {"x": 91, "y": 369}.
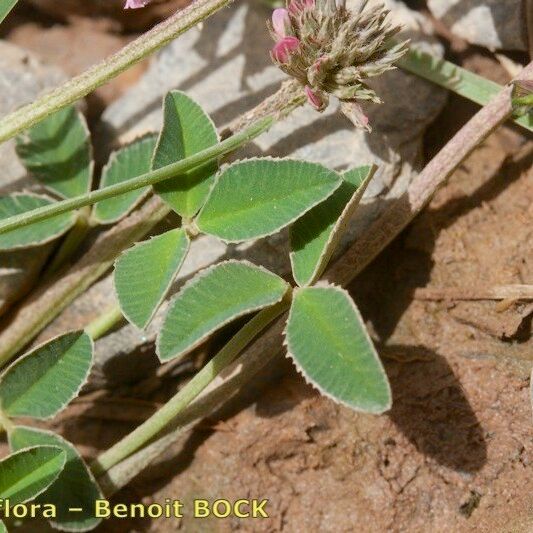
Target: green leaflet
{"x": 6, "y": 7}
{"x": 58, "y": 152}
{"x": 187, "y": 129}
{"x": 130, "y": 161}
{"x": 33, "y": 234}
{"x": 144, "y": 274}
{"x": 258, "y": 197}
{"x": 328, "y": 341}
{"x": 315, "y": 236}
{"x": 213, "y": 298}
{"x": 74, "y": 488}
{"x": 43, "y": 381}
{"x": 27, "y": 473}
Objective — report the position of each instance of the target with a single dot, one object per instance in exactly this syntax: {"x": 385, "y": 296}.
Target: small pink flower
{"x": 315, "y": 99}
{"x": 281, "y": 22}
{"x": 135, "y": 4}
{"x": 284, "y": 48}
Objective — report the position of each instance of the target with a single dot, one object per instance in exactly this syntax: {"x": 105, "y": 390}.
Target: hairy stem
{"x": 436, "y": 70}
{"x": 439, "y": 71}
{"x": 385, "y": 228}
{"x": 164, "y": 416}
{"x": 150, "y": 178}
{"x": 81, "y": 85}
{"x": 221, "y": 389}
{"x": 389, "y": 222}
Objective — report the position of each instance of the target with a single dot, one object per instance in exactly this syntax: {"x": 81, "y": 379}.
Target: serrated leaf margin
{"x": 337, "y": 231}
{"x": 202, "y": 273}
{"x": 269, "y": 158}
{"x": 289, "y": 355}
{"x": 38, "y": 347}
{"x": 164, "y": 294}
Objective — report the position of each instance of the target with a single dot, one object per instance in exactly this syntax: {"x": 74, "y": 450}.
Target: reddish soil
{"x": 455, "y": 452}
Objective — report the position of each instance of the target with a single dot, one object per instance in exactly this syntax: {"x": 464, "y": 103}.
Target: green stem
{"x": 5, "y": 423}
{"x": 81, "y": 85}
{"x": 155, "y": 176}
{"x": 436, "y": 70}
{"x": 72, "y": 242}
{"x": 456, "y": 79}
{"x": 100, "y": 326}
{"x": 157, "y": 422}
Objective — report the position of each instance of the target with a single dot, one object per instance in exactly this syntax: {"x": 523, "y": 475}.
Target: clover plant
{"x": 328, "y": 51}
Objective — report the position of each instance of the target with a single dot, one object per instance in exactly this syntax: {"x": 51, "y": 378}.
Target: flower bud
{"x": 281, "y": 23}
{"x": 317, "y": 72}
{"x": 135, "y": 4}
{"x": 284, "y": 48}
{"x": 354, "y": 113}
{"x": 317, "y": 100}
{"x": 297, "y": 7}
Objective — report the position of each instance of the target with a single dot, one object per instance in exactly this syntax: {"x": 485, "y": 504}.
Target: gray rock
{"x": 22, "y": 78}
{"x": 495, "y": 24}
{"x": 226, "y": 67}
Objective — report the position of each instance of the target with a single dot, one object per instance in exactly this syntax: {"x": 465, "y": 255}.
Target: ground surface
{"x": 456, "y": 451}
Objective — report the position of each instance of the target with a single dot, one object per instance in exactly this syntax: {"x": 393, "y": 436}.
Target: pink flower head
{"x": 135, "y": 4}
{"x": 284, "y": 48}
{"x": 281, "y": 23}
